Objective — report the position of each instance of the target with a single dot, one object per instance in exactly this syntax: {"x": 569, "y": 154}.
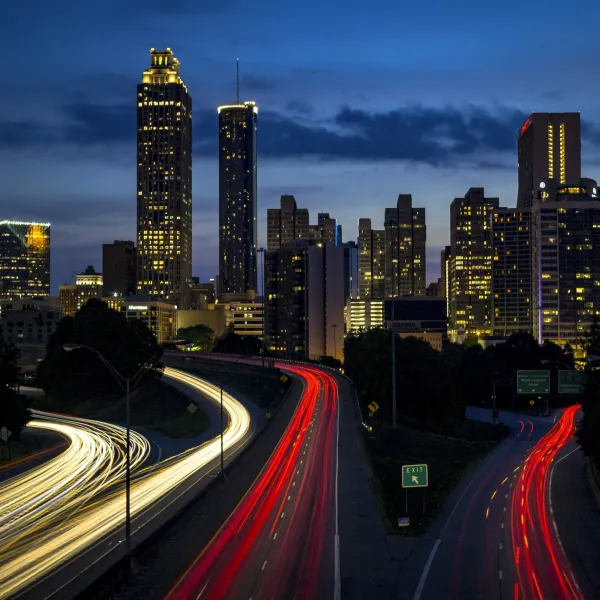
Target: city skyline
{"x": 377, "y": 143}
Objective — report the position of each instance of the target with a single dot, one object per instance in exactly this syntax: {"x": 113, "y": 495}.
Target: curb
{"x": 594, "y": 479}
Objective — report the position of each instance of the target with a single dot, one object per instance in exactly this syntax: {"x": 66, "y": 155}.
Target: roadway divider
{"x": 594, "y": 478}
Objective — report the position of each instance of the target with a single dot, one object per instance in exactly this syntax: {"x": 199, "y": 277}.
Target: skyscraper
{"x": 119, "y": 268}
{"x": 164, "y": 181}
{"x": 471, "y": 268}
{"x": 24, "y": 259}
{"x": 405, "y": 235}
{"x": 371, "y": 261}
{"x": 565, "y": 223}
{"x": 286, "y": 224}
{"x": 237, "y": 198}
{"x": 511, "y": 271}
{"x": 549, "y": 146}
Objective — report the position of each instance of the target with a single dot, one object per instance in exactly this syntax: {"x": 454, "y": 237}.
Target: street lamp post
{"x": 393, "y": 377}
{"x": 126, "y": 383}
{"x": 334, "y": 340}
{"x": 262, "y": 252}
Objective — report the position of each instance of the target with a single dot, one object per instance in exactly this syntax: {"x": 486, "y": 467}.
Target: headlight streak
{"x": 78, "y": 528}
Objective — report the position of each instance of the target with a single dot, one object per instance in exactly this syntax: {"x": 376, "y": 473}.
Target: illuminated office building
{"x": 565, "y": 222}
{"x": 405, "y": 235}
{"x": 67, "y": 296}
{"x": 89, "y": 284}
{"x": 237, "y": 198}
{"x": 24, "y": 259}
{"x": 164, "y": 181}
{"x": 471, "y": 264}
{"x": 549, "y": 147}
{"x": 371, "y": 261}
{"x": 511, "y": 271}
{"x": 286, "y": 224}
{"x": 364, "y": 314}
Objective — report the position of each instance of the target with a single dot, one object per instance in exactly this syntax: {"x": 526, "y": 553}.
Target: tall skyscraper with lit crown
{"x": 237, "y": 198}
{"x": 164, "y": 181}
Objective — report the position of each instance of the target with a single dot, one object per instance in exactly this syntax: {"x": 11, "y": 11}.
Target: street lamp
{"x": 126, "y": 383}
{"x": 334, "y": 340}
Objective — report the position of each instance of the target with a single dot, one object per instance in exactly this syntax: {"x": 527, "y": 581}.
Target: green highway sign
{"x": 414, "y": 476}
{"x": 571, "y": 382}
{"x": 533, "y": 382}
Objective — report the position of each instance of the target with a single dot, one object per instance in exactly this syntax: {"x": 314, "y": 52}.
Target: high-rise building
{"x": 350, "y": 270}
{"x": 549, "y": 146}
{"x": 404, "y": 249}
{"x": 304, "y": 302}
{"x": 164, "y": 181}
{"x": 511, "y": 271}
{"x": 471, "y": 264}
{"x": 237, "y": 198}
{"x": 328, "y": 228}
{"x": 89, "y": 284}
{"x": 371, "y": 261}
{"x": 67, "y": 296}
{"x": 565, "y": 223}
{"x": 435, "y": 289}
{"x": 119, "y": 266}
{"x": 24, "y": 259}
{"x": 286, "y": 224}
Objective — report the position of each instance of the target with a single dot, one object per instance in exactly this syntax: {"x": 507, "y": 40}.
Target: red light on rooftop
{"x": 525, "y": 126}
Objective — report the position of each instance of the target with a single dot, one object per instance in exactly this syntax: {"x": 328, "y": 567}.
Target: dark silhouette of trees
{"x": 14, "y": 414}
{"x": 80, "y": 374}
{"x": 232, "y": 343}
{"x": 200, "y": 335}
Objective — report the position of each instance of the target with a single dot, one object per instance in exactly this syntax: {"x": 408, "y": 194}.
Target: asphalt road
{"x": 281, "y": 540}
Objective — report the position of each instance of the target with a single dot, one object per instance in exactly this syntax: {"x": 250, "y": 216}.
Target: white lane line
{"x": 289, "y": 498}
{"x": 293, "y": 484}
{"x": 264, "y": 565}
{"x": 202, "y": 591}
{"x": 275, "y": 536}
{"x": 500, "y": 574}
{"x": 421, "y": 585}
{"x": 502, "y": 526}
{"x": 500, "y": 545}
{"x": 282, "y": 515}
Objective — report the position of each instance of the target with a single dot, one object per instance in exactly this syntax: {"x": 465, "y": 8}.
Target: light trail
{"x": 73, "y": 534}
{"x": 542, "y": 569}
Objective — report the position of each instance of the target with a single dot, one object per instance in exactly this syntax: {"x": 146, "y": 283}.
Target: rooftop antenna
{"x": 237, "y": 79}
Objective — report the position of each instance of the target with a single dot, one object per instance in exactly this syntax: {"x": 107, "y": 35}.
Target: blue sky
{"x": 359, "y": 101}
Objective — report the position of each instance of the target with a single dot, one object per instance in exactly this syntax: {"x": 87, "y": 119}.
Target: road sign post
{"x": 533, "y": 382}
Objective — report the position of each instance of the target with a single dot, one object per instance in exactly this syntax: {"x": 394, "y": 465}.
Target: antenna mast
{"x": 237, "y": 80}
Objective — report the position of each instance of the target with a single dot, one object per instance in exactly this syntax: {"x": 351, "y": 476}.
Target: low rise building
{"x": 418, "y": 316}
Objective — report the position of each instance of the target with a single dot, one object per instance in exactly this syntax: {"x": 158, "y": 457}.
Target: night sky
{"x": 358, "y": 102}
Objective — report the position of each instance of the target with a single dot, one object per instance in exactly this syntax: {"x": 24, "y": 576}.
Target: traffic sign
{"x": 571, "y": 382}
{"x": 373, "y": 407}
{"x": 415, "y": 476}
{"x": 283, "y": 379}
{"x": 533, "y": 382}
{"x": 371, "y": 414}
{"x": 532, "y": 402}
{"x": 5, "y": 434}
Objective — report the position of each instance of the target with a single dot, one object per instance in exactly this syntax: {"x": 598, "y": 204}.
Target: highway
{"x": 281, "y": 540}
{"x": 66, "y": 535}
{"x": 498, "y": 539}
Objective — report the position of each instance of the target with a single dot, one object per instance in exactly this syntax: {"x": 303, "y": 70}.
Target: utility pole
{"x": 393, "y": 378}
{"x": 222, "y": 427}
{"x": 264, "y": 315}
{"x": 128, "y": 470}
{"x": 494, "y": 399}
{"x": 334, "y": 340}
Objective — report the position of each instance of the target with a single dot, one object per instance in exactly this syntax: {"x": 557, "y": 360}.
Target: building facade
{"x": 511, "y": 271}
{"x": 565, "y": 222}
{"x": 88, "y": 284}
{"x": 237, "y": 198}
{"x": 304, "y": 301}
{"x": 119, "y": 268}
{"x": 350, "y": 270}
{"x": 67, "y": 296}
{"x": 371, "y": 261}
{"x": 164, "y": 181}
{"x": 549, "y": 147}
{"x": 364, "y": 314}
{"x": 247, "y": 318}
{"x": 160, "y": 317}
{"x": 29, "y": 320}
{"x": 286, "y": 224}
{"x": 24, "y": 259}
{"x": 471, "y": 264}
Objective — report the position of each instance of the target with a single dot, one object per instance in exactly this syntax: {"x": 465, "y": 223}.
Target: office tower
{"x": 471, "y": 268}
{"x": 164, "y": 181}
{"x": 286, "y": 224}
{"x": 24, "y": 259}
{"x": 435, "y": 289}
{"x": 565, "y": 222}
{"x": 305, "y": 300}
{"x": 511, "y": 271}
{"x": 549, "y": 146}
{"x": 328, "y": 229}
{"x": 67, "y": 296}
{"x": 339, "y": 234}
{"x": 89, "y": 284}
{"x": 119, "y": 264}
{"x": 237, "y": 198}
{"x": 350, "y": 270}
{"x": 405, "y": 235}
{"x": 371, "y": 261}
{"x": 445, "y": 263}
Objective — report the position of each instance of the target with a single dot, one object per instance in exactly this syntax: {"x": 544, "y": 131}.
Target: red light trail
{"x": 541, "y": 565}
{"x": 279, "y": 541}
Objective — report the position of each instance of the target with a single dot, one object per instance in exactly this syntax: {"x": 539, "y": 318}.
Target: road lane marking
{"x": 289, "y": 498}
{"x": 202, "y": 590}
{"x": 487, "y": 512}
{"x": 500, "y": 574}
{"x": 264, "y": 565}
{"x": 500, "y": 545}
{"x": 275, "y": 536}
{"x": 293, "y": 484}
{"x": 421, "y": 585}
{"x": 502, "y": 526}
{"x": 282, "y": 515}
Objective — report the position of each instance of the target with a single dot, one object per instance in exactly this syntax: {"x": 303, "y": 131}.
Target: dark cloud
{"x": 430, "y": 135}
{"x": 300, "y": 107}
{"x": 257, "y": 84}
{"x": 119, "y": 10}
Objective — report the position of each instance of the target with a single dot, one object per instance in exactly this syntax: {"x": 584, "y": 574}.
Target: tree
{"x": 232, "y": 343}
{"x": 200, "y": 335}
{"x": 14, "y": 414}
{"x": 125, "y": 344}
{"x": 587, "y": 434}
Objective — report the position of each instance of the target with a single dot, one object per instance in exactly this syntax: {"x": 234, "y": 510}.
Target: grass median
{"x": 448, "y": 458}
